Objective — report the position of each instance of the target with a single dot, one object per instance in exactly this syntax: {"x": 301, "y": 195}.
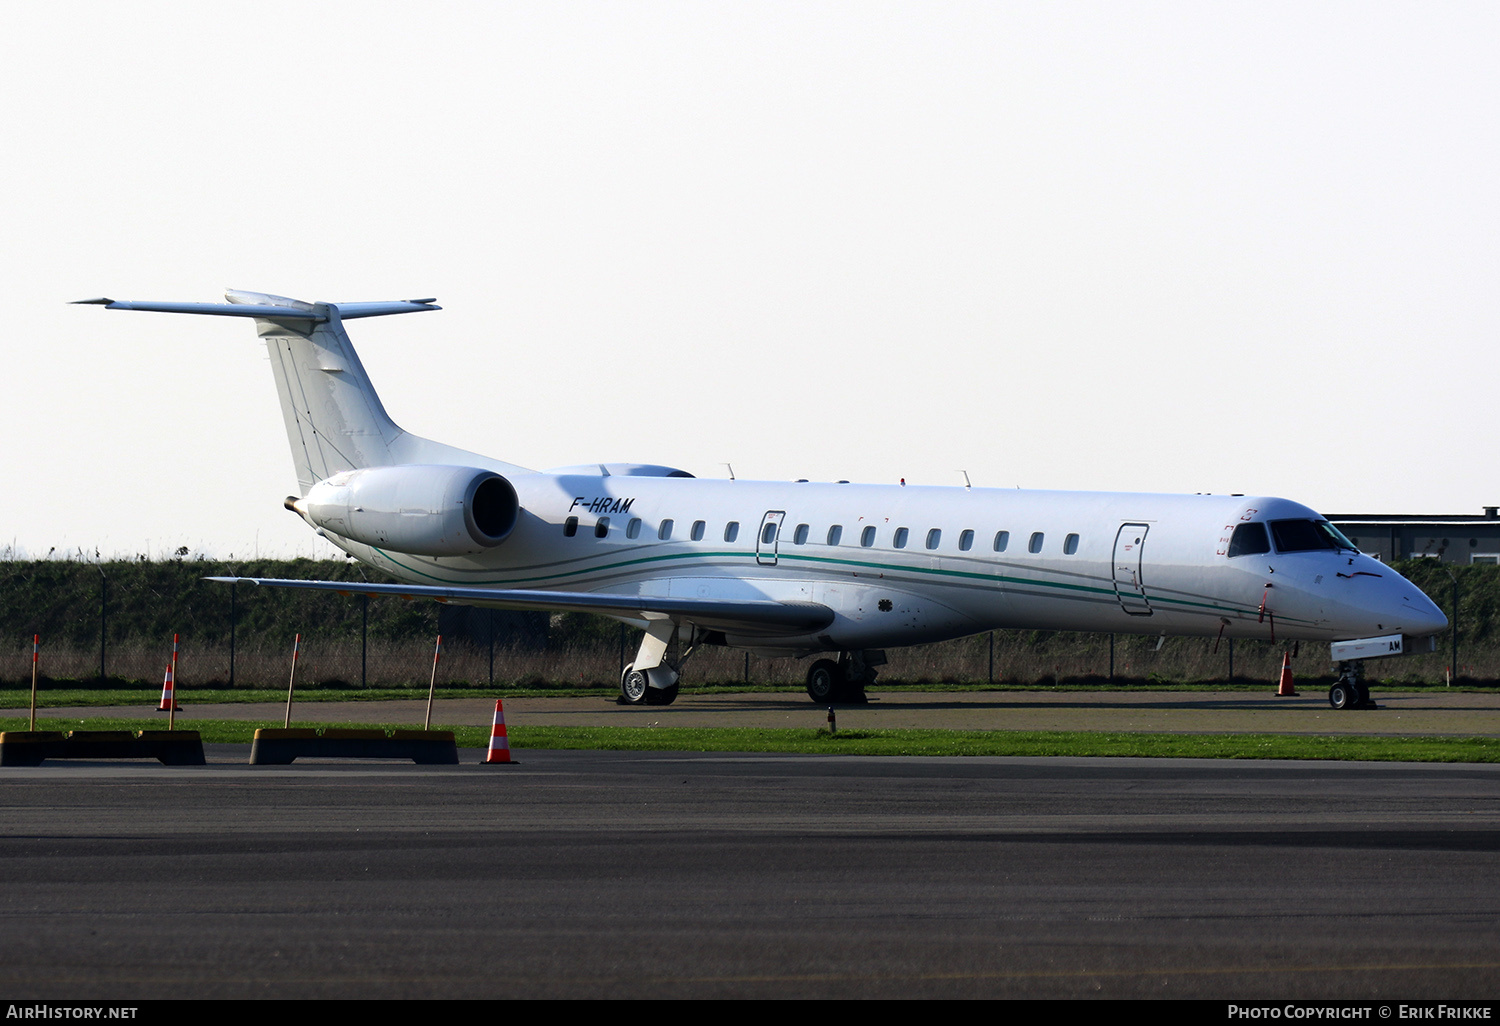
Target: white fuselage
{"x": 918, "y": 564}
{"x": 790, "y": 567}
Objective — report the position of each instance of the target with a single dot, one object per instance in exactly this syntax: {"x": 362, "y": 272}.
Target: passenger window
{"x": 570, "y": 527}
{"x": 867, "y": 537}
{"x": 768, "y": 533}
{"x": 732, "y": 530}
{"x": 601, "y": 529}
{"x": 835, "y": 534}
{"x": 1001, "y": 540}
{"x": 934, "y": 538}
{"x": 900, "y": 540}
{"x": 1035, "y": 545}
{"x": 697, "y": 530}
{"x": 966, "y": 541}
{"x": 1249, "y": 540}
{"x": 1070, "y": 545}
{"x": 633, "y": 529}
{"x": 799, "y": 536}
{"x": 664, "y": 532}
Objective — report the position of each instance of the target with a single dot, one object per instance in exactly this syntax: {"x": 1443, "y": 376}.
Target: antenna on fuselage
{"x": 731, "y": 471}
{"x": 968, "y": 485}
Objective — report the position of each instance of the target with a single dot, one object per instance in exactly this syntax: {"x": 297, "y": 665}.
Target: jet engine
{"x": 424, "y": 510}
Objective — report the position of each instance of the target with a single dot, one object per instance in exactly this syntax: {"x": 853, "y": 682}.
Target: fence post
{"x": 1453, "y": 665}
{"x": 492, "y": 646}
{"x": 1231, "y": 660}
{"x": 364, "y": 635}
{"x": 1112, "y": 657}
{"x": 233, "y": 613}
{"x": 992, "y": 657}
{"x": 103, "y": 619}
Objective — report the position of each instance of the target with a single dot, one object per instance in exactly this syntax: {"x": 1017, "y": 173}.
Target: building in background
{"x": 1451, "y": 539}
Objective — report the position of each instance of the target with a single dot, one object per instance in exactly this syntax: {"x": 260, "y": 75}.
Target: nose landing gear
{"x": 1350, "y": 691}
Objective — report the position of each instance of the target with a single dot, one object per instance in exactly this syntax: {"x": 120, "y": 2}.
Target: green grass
{"x": 1010, "y": 743}
{"x": 889, "y": 742}
{"x": 53, "y": 697}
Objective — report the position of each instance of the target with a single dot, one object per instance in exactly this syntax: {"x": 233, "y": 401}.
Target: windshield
{"x": 1308, "y": 536}
{"x": 1249, "y": 540}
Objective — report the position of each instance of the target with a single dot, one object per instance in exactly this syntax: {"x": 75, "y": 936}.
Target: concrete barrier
{"x": 278, "y": 746}
{"x": 169, "y": 747}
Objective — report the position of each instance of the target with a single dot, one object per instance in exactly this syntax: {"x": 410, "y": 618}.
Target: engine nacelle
{"x": 425, "y": 510}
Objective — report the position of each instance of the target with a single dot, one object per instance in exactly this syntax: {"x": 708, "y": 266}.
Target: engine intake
{"x": 423, "y": 510}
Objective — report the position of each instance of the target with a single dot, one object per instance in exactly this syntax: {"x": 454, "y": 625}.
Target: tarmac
{"x": 696, "y": 875}
{"x": 580, "y": 874}
{"x": 1429, "y": 712}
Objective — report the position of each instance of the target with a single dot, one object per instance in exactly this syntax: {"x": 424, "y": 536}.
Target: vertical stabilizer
{"x": 334, "y": 418}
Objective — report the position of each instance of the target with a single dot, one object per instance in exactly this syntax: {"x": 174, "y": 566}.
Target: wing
{"x": 743, "y": 617}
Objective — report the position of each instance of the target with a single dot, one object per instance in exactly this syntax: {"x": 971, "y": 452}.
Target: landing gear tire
{"x": 635, "y": 688}
{"x": 661, "y": 696}
{"x": 825, "y": 680}
{"x": 1343, "y": 696}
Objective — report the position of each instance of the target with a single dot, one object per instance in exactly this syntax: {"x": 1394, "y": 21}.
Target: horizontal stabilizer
{"x": 350, "y": 311}
{"x": 307, "y": 312}
{"x": 759, "y": 617}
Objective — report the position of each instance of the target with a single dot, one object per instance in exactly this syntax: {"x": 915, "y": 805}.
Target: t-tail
{"x": 335, "y": 421}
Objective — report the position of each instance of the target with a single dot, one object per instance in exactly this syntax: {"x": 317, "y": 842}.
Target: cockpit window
{"x": 1308, "y": 536}
{"x": 1249, "y": 540}
{"x": 1340, "y": 539}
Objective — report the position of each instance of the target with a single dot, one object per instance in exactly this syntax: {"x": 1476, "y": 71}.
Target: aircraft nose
{"x": 1422, "y": 614}
{"x": 1397, "y": 605}
{"x": 1406, "y": 608}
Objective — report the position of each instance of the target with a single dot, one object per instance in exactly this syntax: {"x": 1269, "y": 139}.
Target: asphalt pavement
{"x": 620, "y": 874}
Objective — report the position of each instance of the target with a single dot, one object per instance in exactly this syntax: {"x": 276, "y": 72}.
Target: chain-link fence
{"x": 114, "y": 621}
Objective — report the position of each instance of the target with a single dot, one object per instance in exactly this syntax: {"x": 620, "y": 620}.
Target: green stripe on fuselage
{"x": 1195, "y": 604}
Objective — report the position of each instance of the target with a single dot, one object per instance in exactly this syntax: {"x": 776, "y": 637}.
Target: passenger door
{"x": 768, "y": 540}
{"x": 1130, "y": 543}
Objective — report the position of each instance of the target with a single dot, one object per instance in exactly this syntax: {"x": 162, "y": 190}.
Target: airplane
{"x": 836, "y": 571}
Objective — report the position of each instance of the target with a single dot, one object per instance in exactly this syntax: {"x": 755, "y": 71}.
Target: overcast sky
{"x": 1183, "y": 247}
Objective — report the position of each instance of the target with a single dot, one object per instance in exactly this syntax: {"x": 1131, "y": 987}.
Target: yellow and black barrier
{"x": 169, "y": 747}
{"x": 280, "y": 745}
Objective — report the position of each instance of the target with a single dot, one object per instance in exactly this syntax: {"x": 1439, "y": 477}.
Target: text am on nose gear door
{"x": 1130, "y": 542}
{"x": 769, "y": 538}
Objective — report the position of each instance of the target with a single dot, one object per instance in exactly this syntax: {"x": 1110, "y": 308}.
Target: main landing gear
{"x": 652, "y": 678}
{"x": 636, "y": 689}
{"x": 845, "y": 680}
{"x": 1350, "y": 691}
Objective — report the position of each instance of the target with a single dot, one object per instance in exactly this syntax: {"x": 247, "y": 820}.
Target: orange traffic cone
{"x": 1288, "y": 688}
{"x": 499, "y": 746}
{"x": 168, "y": 703}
